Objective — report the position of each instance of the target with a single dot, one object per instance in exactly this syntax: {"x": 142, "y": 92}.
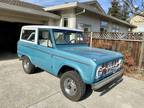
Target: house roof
{"x": 88, "y": 8}
{"x": 22, "y": 4}
{"x": 22, "y": 7}
{"x": 61, "y": 6}
{"x": 95, "y": 2}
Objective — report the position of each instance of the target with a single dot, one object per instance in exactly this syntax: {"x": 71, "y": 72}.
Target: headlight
{"x": 99, "y": 72}
{"x": 119, "y": 63}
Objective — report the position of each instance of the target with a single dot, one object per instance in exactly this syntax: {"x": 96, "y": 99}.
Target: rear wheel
{"x": 28, "y": 67}
{"x": 72, "y": 86}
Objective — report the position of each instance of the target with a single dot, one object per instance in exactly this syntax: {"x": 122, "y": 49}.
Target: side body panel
{"x": 52, "y": 60}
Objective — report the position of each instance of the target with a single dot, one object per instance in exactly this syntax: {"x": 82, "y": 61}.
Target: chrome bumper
{"x": 107, "y": 80}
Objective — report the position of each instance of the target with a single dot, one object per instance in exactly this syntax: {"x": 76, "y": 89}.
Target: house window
{"x": 80, "y": 26}
{"x": 103, "y": 26}
{"x": 115, "y": 28}
{"x": 85, "y": 27}
{"x": 65, "y": 22}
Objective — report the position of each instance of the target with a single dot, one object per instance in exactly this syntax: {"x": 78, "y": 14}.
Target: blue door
{"x": 44, "y": 50}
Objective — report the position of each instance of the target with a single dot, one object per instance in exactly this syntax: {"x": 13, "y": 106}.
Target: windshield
{"x": 68, "y": 37}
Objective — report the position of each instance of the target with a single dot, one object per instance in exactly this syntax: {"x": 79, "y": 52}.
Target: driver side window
{"x": 44, "y": 38}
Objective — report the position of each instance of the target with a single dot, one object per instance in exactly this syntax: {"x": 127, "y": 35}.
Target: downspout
{"x": 79, "y": 13}
{"x": 82, "y": 12}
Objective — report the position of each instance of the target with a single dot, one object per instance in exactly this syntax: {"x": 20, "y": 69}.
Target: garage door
{"x": 9, "y": 35}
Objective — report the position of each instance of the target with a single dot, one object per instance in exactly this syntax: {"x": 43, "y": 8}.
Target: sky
{"x": 104, "y": 3}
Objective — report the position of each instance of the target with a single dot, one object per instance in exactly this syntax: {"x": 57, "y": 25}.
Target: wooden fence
{"x": 130, "y": 44}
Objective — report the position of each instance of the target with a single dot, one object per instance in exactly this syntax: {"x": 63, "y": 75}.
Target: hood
{"x": 96, "y": 54}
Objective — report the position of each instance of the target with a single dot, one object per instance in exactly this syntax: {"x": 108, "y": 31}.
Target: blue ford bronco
{"x": 64, "y": 53}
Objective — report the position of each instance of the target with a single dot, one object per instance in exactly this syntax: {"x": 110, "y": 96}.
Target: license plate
{"x": 112, "y": 70}
{"x": 110, "y": 64}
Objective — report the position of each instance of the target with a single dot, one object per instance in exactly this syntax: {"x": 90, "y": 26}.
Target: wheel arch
{"x": 66, "y": 68}
{"x": 22, "y": 57}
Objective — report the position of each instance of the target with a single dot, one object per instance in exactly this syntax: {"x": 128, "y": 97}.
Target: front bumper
{"x": 107, "y": 80}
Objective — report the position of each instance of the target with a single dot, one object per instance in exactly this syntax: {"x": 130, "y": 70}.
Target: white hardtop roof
{"x": 49, "y": 27}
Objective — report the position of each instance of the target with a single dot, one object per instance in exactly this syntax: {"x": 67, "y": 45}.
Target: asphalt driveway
{"x": 41, "y": 90}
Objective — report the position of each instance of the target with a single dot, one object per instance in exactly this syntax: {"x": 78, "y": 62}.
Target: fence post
{"x": 141, "y": 56}
{"x": 91, "y": 38}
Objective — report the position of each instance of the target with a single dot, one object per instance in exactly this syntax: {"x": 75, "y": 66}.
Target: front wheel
{"x": 72, "y": 86}
{"x": 27, "y": 65}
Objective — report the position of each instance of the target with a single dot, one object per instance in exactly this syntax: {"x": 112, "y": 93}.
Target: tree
{"x": 115, "y": 9}
{"x": 124, "y": 11}
{"x": 136, "y": 7}
{"x": 119, "y": 9}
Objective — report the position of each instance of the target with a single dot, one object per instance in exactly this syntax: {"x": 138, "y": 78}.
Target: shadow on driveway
{"x": 109, "y": 86}
{"x": 104, "y": 89}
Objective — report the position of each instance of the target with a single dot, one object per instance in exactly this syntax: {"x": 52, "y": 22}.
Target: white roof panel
{"x": 49, "y": 27}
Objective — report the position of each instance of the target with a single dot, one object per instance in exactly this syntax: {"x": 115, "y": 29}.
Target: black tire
{"x": 30, "y": 67}
{"x": 80, "y": 85}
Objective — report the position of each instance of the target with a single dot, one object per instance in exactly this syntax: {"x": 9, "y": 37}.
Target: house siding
{"x": 70, "y": 14}
{"x": 52, "y": 22}
{"x": 89, "y": 20}
{"x": 93, "y": 21}
{"x": 139, "y": 22}
{"x": 122, "y": 28}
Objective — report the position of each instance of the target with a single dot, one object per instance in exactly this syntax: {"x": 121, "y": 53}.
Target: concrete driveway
{"x": 41, "y": 90}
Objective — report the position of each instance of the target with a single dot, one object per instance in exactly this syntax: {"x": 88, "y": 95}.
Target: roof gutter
{"x": 62, "y": 6}
{"x": 82, "y": 12}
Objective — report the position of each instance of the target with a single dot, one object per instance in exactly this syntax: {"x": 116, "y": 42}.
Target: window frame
{"x": 67, "y": 21}
{"x": 53, "y": 30}
{"x": 104, "y": 25}
{"x": 24, "y": 29}
{"x": 83, "y": 26}
{"x": 115, "y": 28}
{"x": 50, "y": 37}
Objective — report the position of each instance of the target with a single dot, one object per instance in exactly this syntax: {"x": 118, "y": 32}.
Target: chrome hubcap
{"x": 70, "y": 86}
{"x": 26, "y": 64}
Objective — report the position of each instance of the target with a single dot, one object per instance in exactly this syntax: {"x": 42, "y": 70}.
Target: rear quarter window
{"x": 28, "y": 35}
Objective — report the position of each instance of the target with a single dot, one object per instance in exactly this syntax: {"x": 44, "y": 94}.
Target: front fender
{"x": 86, "y": 71}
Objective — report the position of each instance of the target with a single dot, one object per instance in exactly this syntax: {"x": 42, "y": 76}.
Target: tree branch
{"x": 130, "y": 4}
{"x": 139, "y": 14}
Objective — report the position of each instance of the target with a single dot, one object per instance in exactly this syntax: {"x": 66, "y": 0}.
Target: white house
{"x": 139, "y": 22}
{"x": 88, "y": 16}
